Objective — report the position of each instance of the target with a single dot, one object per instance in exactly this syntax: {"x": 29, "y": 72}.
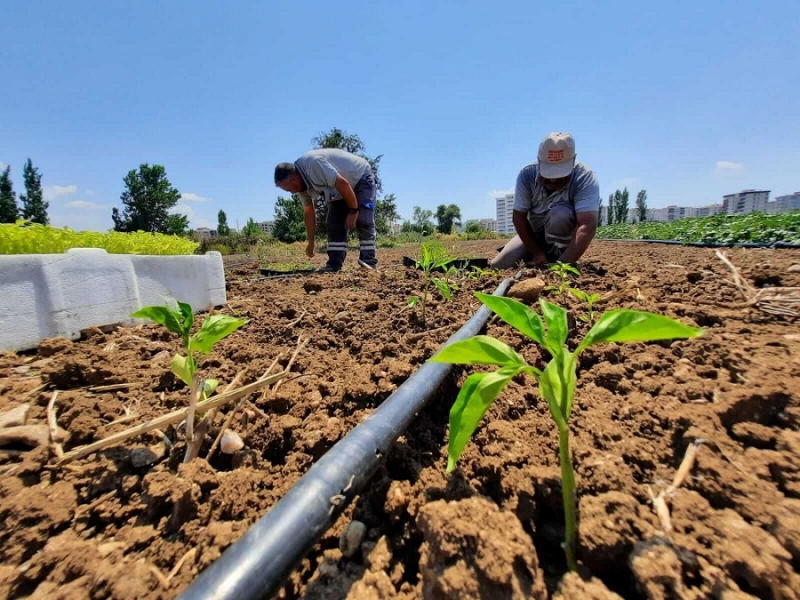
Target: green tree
{"x": 147, "y": 200}
{"x": 289, "y": 224}
{"x": 222, "y": 224}
{"x": 621, "y": 206}
{"x": 177, "y": 224}
{"x": 422, "y": 221}
{"x": 611, "y": 210}
{"x": 473, "y": 226}
{"x": 251, "y": 229}
{"x": 337, "y": 138}
{"x": 385, "y": 213}
{"x": 8, "y": 199}
{"x": 641, "y": 205}
{"x": 34, "y": 208}
{"x": 447, "y": 217}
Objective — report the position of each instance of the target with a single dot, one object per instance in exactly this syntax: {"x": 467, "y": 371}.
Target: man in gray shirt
{"x": 346, "y": 182}
{"x": 556, "y": 204}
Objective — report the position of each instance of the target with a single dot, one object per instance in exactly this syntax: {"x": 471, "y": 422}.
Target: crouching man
{"x": 346, "y": 182}
{"x": 556, "y": 204}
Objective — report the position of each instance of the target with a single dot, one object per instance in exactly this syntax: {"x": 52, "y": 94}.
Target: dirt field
{"x": 99, "y": 527}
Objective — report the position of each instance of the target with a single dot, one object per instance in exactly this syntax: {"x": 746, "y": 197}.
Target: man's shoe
{"x": 364, "y": 265}
{"x": 328, "y": 269}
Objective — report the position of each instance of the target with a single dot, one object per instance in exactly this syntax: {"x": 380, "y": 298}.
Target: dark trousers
{"x": 366, "y": 193}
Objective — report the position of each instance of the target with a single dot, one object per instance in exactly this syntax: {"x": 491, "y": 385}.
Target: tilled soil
{"x": 100, "y": 527}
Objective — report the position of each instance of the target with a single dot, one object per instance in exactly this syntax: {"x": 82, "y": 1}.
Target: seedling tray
{"x": 458, "y": 263}
{"x": 273, "y": 272}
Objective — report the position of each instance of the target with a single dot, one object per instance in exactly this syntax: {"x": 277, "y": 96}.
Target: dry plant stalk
{"x": 171, "y": 418}
{"x": 52, "y": 425}
{"x": 772, "y": 300}
{"x": 659, "y": 501}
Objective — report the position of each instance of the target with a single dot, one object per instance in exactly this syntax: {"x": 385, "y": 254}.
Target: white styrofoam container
{"x": 58, "y": 295}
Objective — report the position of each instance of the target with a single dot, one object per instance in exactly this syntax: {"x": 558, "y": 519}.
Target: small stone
{"x": 343, "y": 315}
{"x": 22, "y": 369}
{"x": 350, "y": 540}
{"x": 795, "y": 268}
{"x": 528, "y": 290}
{"x": 230, "y": 442}
{"x": 163, "y": 355}
{"x": 143, "y": 457}
{"x": 15, "y": 417}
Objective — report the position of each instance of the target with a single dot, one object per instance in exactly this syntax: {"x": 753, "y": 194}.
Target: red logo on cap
{"x": 555, "y": 155}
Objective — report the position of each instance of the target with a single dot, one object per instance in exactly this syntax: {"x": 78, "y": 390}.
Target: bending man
{"x": 556, "y": 204}
{"x": 346, "y": 182}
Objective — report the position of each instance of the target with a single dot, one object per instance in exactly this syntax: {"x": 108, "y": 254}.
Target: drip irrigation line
{"x": 258, "y": 564}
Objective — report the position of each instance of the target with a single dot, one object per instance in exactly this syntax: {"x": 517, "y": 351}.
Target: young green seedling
{"x": 433, "y": 257}
{"x": 589, "y": 300}
{"x": 180, "y": 321}
{"x": 556, "y": 382}
{"x": 563, "y": 270}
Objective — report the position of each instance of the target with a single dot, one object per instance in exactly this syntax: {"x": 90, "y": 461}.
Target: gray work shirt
{"x": 319, "y": 169}
{"x": 531, "y": 197}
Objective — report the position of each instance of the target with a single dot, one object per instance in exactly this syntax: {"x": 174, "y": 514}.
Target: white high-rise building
{"x": 505, "y": 214}
{"x": 746, "y": 201}
{"x": 784, "y": 203}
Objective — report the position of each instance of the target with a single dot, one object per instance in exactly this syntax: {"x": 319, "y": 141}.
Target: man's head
{"x": 556, "y": 160}
{"x": 288, "y": 178}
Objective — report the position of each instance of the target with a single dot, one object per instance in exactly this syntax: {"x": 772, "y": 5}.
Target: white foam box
{"x": 58, "y": 295}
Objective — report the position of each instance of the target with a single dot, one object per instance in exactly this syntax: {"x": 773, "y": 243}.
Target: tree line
{"x": 617, "y": 209}
{"x": 31, "y": 206}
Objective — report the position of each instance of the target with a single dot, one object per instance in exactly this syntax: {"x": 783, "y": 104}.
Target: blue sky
{"x": 686, "y": 99}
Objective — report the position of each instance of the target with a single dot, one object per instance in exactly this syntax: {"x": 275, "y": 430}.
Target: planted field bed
{"x": 131, "y": 520}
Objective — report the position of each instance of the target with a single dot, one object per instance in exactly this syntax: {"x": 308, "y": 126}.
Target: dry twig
{"x": 52, "y": 424}
{"x": 771, "y": 300}
{"x": 659, "y": 501}
{"x": 87, "y": 508}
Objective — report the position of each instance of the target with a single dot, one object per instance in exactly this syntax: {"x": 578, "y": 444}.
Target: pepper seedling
{"x": 563, "y": 270}
{"x": 180, "y": 321}
{"x": 556, "y": 382}
{"x": 433, "y": 257}
{"x": 589, "y": 301}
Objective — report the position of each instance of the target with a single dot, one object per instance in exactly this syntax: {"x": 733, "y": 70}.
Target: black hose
{"x": 771, "y": 245}
{"x": 259, "y": 563}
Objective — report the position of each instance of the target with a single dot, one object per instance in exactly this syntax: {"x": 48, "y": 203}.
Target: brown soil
{"x": 101, "y": 528}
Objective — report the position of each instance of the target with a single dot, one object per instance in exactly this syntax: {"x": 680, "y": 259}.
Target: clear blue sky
{"x": 686, "y": 99}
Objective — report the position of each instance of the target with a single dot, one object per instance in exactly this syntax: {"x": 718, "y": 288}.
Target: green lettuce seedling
{"x": 589, "y": 300}
{"x": 556, "y": 382}
{"x": 180, "y": 321}
{"x": 563, "y": 270}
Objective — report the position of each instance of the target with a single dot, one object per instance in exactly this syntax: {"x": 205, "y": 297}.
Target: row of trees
{"x": 617, "y": 209}
{"x": 32, "y": 206}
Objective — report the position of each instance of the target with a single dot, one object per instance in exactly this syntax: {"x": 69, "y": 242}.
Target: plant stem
{"x": 568, "y": 492}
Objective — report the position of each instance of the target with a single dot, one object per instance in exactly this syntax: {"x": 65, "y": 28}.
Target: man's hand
{"x": 539, "y": 260}
{"x": 350, "y": 221}
{"x": 310, "y": 249}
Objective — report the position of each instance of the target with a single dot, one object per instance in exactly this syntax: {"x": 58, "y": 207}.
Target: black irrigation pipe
{"x": 770, "y": 245}
{"x": 263, "y": 558}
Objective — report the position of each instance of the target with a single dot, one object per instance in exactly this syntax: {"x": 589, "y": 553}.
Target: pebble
{"x": 350, "y": 540}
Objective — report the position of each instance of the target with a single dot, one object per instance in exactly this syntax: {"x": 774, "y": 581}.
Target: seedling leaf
{"x": 626, "y": 325}
{"x": 516, "y": 314}
{"x": 180, "y": 366}
{"x": 474, "y": 399}
{"x": 557, "y": 329}
{"x": 479, "y": 350}
{"x": 214, "y": 328}
{"x": 443, "y": 288}
{"x": 163, "y": 315}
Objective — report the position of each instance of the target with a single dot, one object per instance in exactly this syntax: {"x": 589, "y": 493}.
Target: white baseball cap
{"x": 556, "y": 155}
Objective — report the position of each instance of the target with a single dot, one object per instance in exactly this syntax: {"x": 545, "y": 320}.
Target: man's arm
{"x": 525, "y": 233}
{"x": 584, "y": 234}
{"x": 346, "y": 190}
{"x": 310, "y": 219}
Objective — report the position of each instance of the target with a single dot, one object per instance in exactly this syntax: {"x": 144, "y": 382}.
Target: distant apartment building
{"x": 505, "y": 214}
{"x": 488, "y": 224}
{"x": 266, "y": 226}
{"x": 746, "y": 201}
{"x": 784, "y": 203}
{"x": 397, "y": 227}
{"x": 205, "y": 232}
{"x": 709, "y": 210}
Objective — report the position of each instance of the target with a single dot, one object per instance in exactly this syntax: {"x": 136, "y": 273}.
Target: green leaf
{"x": 474, "y": 399}
{"x": 214, "y": 328}
{"x": 516, "y": 314}
{"x": 557, "y": 386}
{"x": 625, "y": 325}
{"x": 579, "y": 294}
{"x": 209, "y": 385}
{"x": 187, "y": 316}
{"x": 443, "y": 288}
{"x": 478, "y": 350}
{"x": 180, "y": 366}
{"x": 412, "y": 301}
{"x": 557, "y": 329}
{"x": 163, "y": 315}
